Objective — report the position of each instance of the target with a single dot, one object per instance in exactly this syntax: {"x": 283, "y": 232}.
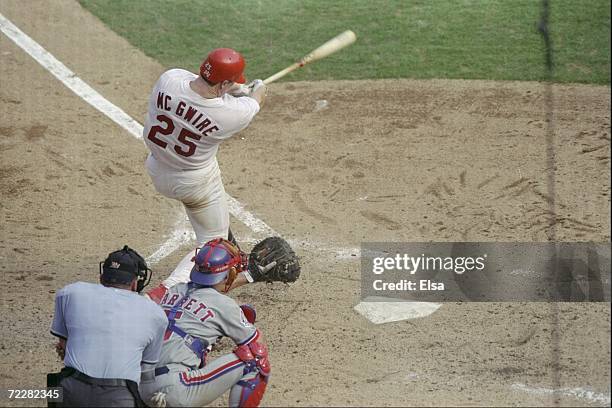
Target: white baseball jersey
{"x": 183, "y": 130}
{"x": 109, "y": 331}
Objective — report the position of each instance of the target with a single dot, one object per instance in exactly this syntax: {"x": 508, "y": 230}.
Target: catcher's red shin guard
{"x": 255, "y": 355}
{"x": 252, "y": 391}
{"x": 157, "y": 293}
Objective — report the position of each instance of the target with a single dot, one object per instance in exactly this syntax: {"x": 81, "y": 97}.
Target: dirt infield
{"x": 385, "y": 160}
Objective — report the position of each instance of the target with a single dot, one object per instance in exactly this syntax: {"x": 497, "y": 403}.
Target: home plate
{"x": 384, "y": 310}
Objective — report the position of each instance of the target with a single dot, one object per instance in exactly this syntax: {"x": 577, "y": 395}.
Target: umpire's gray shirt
{"x": 109, "y": 331}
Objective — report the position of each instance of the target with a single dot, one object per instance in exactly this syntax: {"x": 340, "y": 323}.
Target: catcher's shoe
{"x": 157, "y": 293}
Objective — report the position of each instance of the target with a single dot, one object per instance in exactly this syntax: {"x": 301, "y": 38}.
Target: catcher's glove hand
{"x": 273, "y": 260}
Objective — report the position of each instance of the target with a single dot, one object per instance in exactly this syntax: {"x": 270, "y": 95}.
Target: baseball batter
{"x": 188, "y": 117}
{"x": 198, "y": 315}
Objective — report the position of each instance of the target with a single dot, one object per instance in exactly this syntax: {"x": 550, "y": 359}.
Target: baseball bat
{"x": 335, "y": 44}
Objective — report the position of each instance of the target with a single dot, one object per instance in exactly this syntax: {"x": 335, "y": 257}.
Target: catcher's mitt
{"x": 273, "y": 260}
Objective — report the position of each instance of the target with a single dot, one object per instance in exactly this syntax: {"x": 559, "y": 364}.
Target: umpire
{"x": 106, "y": 331}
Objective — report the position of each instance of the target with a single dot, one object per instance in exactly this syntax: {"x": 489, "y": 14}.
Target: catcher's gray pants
{"x": 196, "y": 388}
{"x": 81, "y": 394}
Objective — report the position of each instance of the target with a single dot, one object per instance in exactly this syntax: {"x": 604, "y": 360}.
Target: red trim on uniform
{"x": 232, "y": 364}
{"x": 250, "y": 339}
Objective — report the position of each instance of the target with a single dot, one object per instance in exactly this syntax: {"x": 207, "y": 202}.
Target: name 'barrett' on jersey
{"x": 183, "y": 130}
{"x": 206, "y": 314}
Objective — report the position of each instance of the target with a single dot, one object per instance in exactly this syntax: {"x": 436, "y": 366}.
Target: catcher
{"x": 199, "y": 313}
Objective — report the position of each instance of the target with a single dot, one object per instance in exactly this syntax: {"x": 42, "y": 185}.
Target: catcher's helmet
{"x": 215, "y": 261}
{"x": 123, "y": 266}
{"x": 223, "y": 64}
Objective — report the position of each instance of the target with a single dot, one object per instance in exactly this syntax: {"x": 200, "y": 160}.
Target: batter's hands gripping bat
{"x": 335, "y": 44}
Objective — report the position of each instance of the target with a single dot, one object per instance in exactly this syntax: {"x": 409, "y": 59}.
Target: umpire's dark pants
{"x": 79, "y": 393}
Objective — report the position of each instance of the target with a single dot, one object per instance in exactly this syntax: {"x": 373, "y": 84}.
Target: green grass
{"x": 470, "y": 39}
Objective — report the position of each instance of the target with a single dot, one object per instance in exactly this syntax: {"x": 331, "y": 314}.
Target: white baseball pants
{"x": 203, "y": 196}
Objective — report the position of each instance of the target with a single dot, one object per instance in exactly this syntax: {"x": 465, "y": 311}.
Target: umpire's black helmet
{"x": 122, "y": 266}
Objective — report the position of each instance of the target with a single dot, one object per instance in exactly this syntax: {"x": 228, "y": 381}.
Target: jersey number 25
{"x": 188, "y": 147}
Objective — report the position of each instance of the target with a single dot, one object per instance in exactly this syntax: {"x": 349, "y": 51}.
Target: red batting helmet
{"x": 223, "y": 64}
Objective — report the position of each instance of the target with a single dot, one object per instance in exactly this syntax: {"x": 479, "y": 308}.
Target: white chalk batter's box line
{"x": 581, "y": 393}
{"x": 182, "y": 234}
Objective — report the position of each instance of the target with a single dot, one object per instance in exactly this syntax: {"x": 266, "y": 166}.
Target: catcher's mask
{"x": 223, "y": 64}
{"x": 120, "y": 267}
{"x": 216, "y": 260}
